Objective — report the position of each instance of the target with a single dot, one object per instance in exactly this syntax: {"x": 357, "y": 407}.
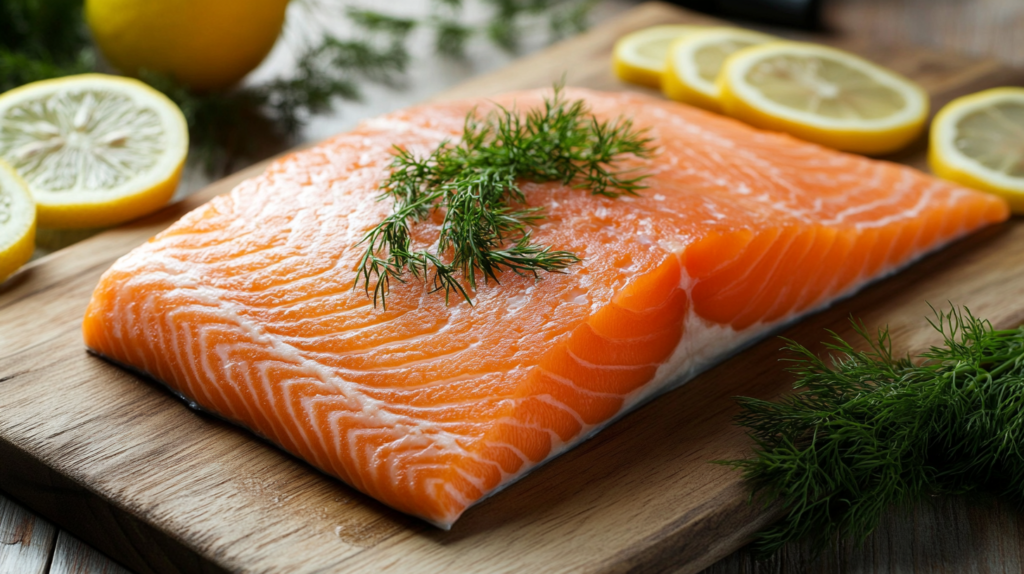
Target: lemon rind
{"x": 947, "y": 162}
{"x": 625, "y": 57}
{"x": 875, "y": 137}
{"x": 17, "y": 244}
{"x": 682, "y": 82}
{"x": 80, "y": 209}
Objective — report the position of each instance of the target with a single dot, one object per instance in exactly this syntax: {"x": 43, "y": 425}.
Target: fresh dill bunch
{"x": 41, "y": 40}
{"x": 870, "y": 431}
{"x": 230, "y": 129}
{"x": 475, "y": 182}
{"x": 372, "y": 21}
{"x": 504, "y": 27}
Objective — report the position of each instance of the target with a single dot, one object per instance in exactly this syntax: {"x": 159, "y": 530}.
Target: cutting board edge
{"x": 95, "y": 519}
{"x": 631, "y": 558}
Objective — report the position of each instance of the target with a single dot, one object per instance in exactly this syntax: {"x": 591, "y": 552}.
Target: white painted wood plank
{"x": 73, "y": 557}
{"x": 26, "y": 541}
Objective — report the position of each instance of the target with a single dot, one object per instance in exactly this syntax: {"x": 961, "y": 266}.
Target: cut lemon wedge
{"x": 639, "y": 57}
{"x": 694, "y": 61}
{"x": 17, "y": 222}
{"x": 95, "y": 150}
{"x": 978, "y": 141}
{"x": 823, "y": 95}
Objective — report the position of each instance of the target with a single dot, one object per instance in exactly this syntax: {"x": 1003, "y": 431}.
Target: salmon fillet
{"x": 246, "y": 305}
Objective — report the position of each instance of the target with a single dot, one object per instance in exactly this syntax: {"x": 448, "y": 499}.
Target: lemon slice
{"x": 95, "y": 150}
{"x": 17, "y": 222}
{"x": 823, "y": 95}
{"x": 978, "y": 140}
{"x": 639, "y": 57}
{"x": 694, "y": 61}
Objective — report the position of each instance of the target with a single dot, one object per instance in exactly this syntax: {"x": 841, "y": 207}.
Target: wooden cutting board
{"x": 128, "y": 468}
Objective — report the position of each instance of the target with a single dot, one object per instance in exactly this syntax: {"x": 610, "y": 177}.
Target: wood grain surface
{"x": 126, "y": 467}
{"x": 26, "y": 541}
{"x": 70, "y": 556}
{"x": 980, "y": 28}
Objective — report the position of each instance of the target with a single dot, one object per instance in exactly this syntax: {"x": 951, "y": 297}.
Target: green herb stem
{"x": 476, "y": 183}
{"x": 870, "y": 431}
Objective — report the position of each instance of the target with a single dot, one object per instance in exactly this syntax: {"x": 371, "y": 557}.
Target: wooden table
{"x": 947, "y": 536}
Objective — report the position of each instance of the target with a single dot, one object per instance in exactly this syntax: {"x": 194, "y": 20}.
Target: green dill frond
{"x": 377, "y": 22}
{"x": 486, "y": 226}
{"x": 451, "y": 38}
{"x": 40, "y": 40}
{"x": 868, "y": 431}
{"x": 570, "y": 19}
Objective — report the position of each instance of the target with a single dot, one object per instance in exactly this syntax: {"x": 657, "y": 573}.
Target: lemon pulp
{"x": 640, "y": 57}
{"x": 823, "y": 95}
{"x": 695, "y": 60}
{"x": 17, "y": 223}
{"x": 978, "y": 140}
{"x": 94, "y": 150}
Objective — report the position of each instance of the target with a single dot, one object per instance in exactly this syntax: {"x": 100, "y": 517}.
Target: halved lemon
{"x": 694, "y": 61}
{"x": 639, "y": 57}
{"x": 978, "y": 141}
{"x": 17, "y": 222}
{"x": 95, "y": 150}
{"x": 823, "y": 95}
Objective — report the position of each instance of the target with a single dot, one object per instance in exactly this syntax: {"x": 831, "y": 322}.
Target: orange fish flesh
{"x": 246, "y": 305}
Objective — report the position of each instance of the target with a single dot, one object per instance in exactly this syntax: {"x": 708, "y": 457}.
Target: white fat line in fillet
{"x": 337, "y": 444}
{"x": 785, "y": 251}
{"x": 866, "y": 261}
{"x": 739, "y": 283}
{"x": 439, "y": 408}
{"x": 388, "y": 125}
{"x": 183, "y": 338}
{"x": 569, "y": 382}
{"x": 312, "y": 303}
{"x": 380, "y": 458}
{"x": 469, "y": 376}
{"x": 317, "y": 437}
{"x": 477, "y": 482}
{"x": 371, "y": 457}
{"x": 254, "y": 395}
{"x": 883, "y": 201}
{"x": 358, "y": 468}
{"x": 180, "y": 368}
{"x": 430, "y": 485}
{"x": 171, "y": 258}
{"x": 157, "y": 337}
{"x": 396, "y": 345}
{"x": 284, "y": 387}
{"x": 367, "y": 469}
{"x": 700, "y": 348}
{"x": 831, "y": 285}
{"x": 914, "y": 248}
{"x": 787, "y": 286}
{"x": 590, "y": 365}
{"x": 556, "y": 441}
{"x": 117, "y": 317}
{"x": 820, "y": 269}
{"x": 208, "y": 371}
{"x": 868, "y": 178}
{"x": 349, "y": 388}
{"x": 223, "y": 352}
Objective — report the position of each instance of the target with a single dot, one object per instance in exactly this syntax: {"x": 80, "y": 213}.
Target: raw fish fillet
{"x": 246, "y": 305}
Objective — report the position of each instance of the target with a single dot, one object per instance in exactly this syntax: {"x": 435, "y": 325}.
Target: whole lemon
{"x": 204, "y": 44}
